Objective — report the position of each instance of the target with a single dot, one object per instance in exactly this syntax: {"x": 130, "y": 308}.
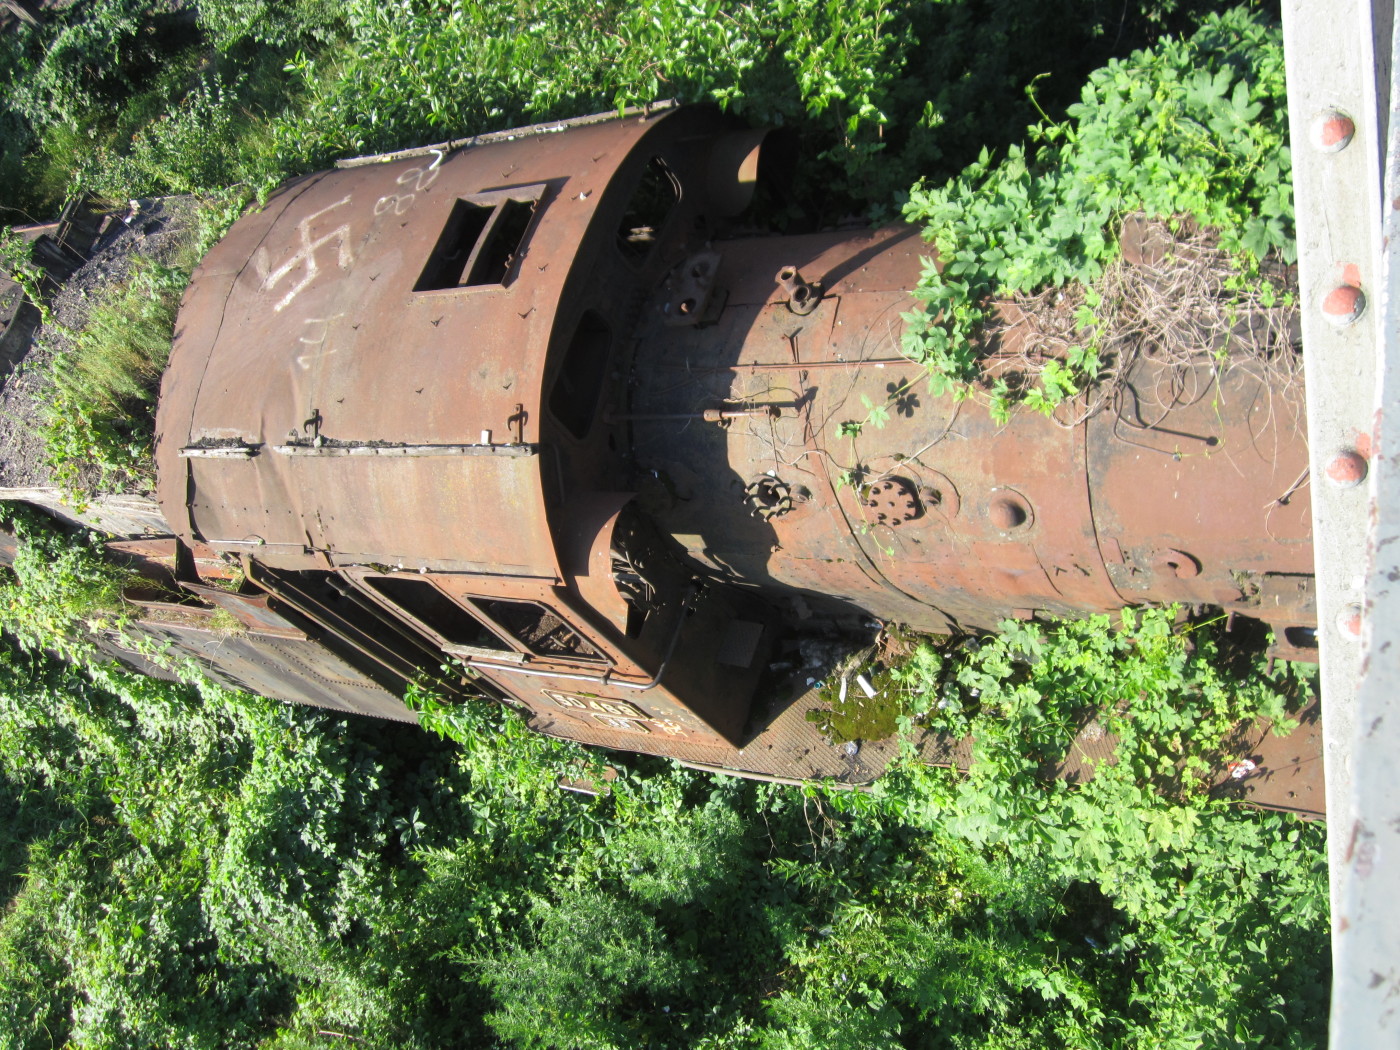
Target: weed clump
{"x": 60, "y": 586}
{"x": 98, "y": 404}
{"x": 1192, "y": 128}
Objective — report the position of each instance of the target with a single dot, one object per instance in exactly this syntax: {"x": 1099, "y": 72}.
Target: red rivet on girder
{"x": 1349, "y": 622}
{"x": 1346, "y": 469}
{"x": 1343, "y": 305}
{"x": 1332, "y": 130}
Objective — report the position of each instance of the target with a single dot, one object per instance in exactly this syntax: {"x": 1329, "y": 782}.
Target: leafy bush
{"x": 194, "y": 144}
{"x": 84, "y": 78}
{"x": 1145, "y": 832}
{"x": 108, "y": 95}
{"x": 1192, "y": 128}
{"x": 599, "y": 969}
{"x": 60, "y": 586}
{"x": 881, "y": 92}
{"x": 206, "y": 869}
{"x": 276, "y": 23}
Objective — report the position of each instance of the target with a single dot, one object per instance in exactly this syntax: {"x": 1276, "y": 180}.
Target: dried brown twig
{"x": 1185, "y": 308}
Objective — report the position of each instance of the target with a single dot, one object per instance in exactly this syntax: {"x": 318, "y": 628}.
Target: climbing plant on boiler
{"x": 1191, "y": 129}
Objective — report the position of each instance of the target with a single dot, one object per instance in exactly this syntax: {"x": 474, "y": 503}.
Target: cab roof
{"x": 357, "y": 370}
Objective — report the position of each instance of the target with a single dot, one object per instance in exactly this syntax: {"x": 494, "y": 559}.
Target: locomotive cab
{"x": 392, "y": 381}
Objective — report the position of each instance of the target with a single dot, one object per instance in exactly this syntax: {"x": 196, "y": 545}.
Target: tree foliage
{"x": 128, "y": 99}
{"x": 189, "y": 867}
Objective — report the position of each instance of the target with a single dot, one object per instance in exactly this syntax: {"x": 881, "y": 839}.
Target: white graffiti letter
{"x": 421, "y": 178}
{"x": 305, "y": 256}
{"x": 316, "y": 341}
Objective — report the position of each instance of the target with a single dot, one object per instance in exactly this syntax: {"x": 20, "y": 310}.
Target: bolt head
{"x": 1332, "y": 131}
{"x": 1349, "y": 622}
{"x": 1346, "y": 469}
{"x": 1343, "y": 305}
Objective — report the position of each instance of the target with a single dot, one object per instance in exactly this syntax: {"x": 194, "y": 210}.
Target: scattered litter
{"x": 865, "y": 687}
{"x": 818, "y": 652}
{"x": 1241, "y": 769}
{"x": 851, "y": 747}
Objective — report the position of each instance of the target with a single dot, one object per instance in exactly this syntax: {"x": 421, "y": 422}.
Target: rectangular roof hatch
{"x": 481, "y": 242}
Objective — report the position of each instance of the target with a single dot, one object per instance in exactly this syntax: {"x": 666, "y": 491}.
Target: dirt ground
{"x": 157, "y": 230}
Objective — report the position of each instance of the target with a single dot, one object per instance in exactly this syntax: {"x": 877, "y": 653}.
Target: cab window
{"x": 453, "y": 625}
{"x": 538, "y": 628}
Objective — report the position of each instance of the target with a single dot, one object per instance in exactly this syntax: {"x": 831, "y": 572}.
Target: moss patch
{"x": 858, "y": 717}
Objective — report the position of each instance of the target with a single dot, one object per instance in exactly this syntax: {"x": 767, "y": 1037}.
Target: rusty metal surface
{"x": 300, "y": 671}
{"x": 461, "y": 402}
{"x": 1205, "y": 506}
{"x": 254, "y": 613}
{"x": 162, "y": 553}
{"x": 1276, "y": 772}
{"x": 303, "y": 326}
{"x": 939, "y": 515}
{"x": 551, "y": 127}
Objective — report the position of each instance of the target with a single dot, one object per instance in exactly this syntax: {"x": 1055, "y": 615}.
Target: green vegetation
{"x": 60, "y": 586}
{"x": 16, "y": 263}
{"x": 127, "y": 98}
{"x": 188, "y": 867}
{"x": 185, "y": 867}
{"x": 846, "y": 712}
{"x": 1190, "y": 129}
{"x": 100, "y": 411}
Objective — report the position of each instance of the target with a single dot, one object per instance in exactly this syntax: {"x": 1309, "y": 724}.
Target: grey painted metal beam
{"x": 1336, "y": 148}
{"x": 1366, "y": 904}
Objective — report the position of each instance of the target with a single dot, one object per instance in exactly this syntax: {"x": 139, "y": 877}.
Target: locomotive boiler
{"x": 549, "y": 403}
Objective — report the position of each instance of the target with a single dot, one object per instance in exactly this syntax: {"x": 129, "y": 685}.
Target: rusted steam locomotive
{"x": 540, "y": 404}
